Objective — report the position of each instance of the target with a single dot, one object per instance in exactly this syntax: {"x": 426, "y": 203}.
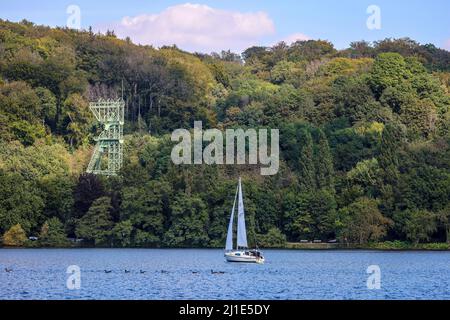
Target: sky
{"x": 215, "y": 25}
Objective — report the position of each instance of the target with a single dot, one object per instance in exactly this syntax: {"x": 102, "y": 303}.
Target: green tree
{"x": 122, "y": 233}
{"x": 20, "y": 202}
{"x": 88, "y": 189}
{"x": 20, "y": 113}
{"x": 306, "y": 163}
{"x": 309, "y": 215}
{"x": 96, "y": 225}
{"x": 324, "y": 163}
{"x": 363, "y": 222}
{"x": 146, "y": 239}
{"x": 52, "y": 234}
{"x": 188, "y": 223}
{"x": 420, "y": 116}
{"x": 272, "y": 239}
{"x": 391, "y": 142}
{"x": 367, "y": 175}
{"x": 49, "y": 106}
{"x": 291, "y": 213}
{"x": 420, "y": 225}
{"x": 286, "y": 71}
{"x": 444, "y": 221}
{"x": 145, "y": 207}
{"x": 399, "y": 97}
{"x": 76, "y": 120}
{"x": 389, "y": 70}
{"x": 310, "y": 50}
{"x": 58, "y": 196}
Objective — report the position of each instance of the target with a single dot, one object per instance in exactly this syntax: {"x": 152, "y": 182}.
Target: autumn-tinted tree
{"x": 363, "y": 222}
{"x": 15, "y": 236}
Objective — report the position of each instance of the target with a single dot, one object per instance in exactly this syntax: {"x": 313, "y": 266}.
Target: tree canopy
{"x": 364, "y": 140}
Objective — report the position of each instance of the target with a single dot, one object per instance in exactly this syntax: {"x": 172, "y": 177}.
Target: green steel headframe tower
{"x": 108, "y": 153}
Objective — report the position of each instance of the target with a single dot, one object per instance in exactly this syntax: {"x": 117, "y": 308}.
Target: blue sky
{"x": 235, "y": 24}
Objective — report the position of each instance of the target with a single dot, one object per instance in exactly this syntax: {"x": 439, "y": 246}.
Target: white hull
{"x": 241, "y": 256}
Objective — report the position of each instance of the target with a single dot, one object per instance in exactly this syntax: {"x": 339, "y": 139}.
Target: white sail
{"x": 241, "y": 230}
{"x": 229, "y": 244}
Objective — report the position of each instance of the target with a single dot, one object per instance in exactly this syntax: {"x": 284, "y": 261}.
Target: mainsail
{"x": 241, "y": 230}
{"x": 229, "y": 244}
{"x": 240, "y": 253}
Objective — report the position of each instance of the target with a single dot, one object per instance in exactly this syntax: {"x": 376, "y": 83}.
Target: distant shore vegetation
{"x": 364, "y": 142}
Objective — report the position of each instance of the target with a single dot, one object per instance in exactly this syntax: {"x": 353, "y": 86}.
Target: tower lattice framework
{"x": 107, "y": 158}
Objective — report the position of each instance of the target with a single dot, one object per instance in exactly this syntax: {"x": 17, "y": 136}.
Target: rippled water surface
{"x": 186, "y": 274}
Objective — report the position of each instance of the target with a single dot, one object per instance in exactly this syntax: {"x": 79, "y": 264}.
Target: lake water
{"x": 186, "y": 274}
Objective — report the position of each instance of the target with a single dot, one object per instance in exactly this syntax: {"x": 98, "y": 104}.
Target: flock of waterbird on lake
{"x": 165, "y": 271}
{"x": 8, "y": 270}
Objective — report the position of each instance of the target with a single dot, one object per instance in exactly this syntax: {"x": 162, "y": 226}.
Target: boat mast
{"x": 241, "y": 229}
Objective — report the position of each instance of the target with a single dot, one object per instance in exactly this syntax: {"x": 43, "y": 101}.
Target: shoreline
{"x": 382, "y": 246}
{"x": 377, "y": 246}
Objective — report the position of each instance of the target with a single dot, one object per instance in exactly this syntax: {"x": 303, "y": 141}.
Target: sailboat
{"x": 241, "y": 253}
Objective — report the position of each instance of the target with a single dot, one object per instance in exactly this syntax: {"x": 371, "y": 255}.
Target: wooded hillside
{"x": 364, "y": 140}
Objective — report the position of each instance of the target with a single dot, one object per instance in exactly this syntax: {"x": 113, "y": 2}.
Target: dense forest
{"x": 364, "y": 141}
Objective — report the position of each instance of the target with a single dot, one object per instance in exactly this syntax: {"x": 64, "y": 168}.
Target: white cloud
{"x": 295, "y": 37}
{"x": 196, "y": 27}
